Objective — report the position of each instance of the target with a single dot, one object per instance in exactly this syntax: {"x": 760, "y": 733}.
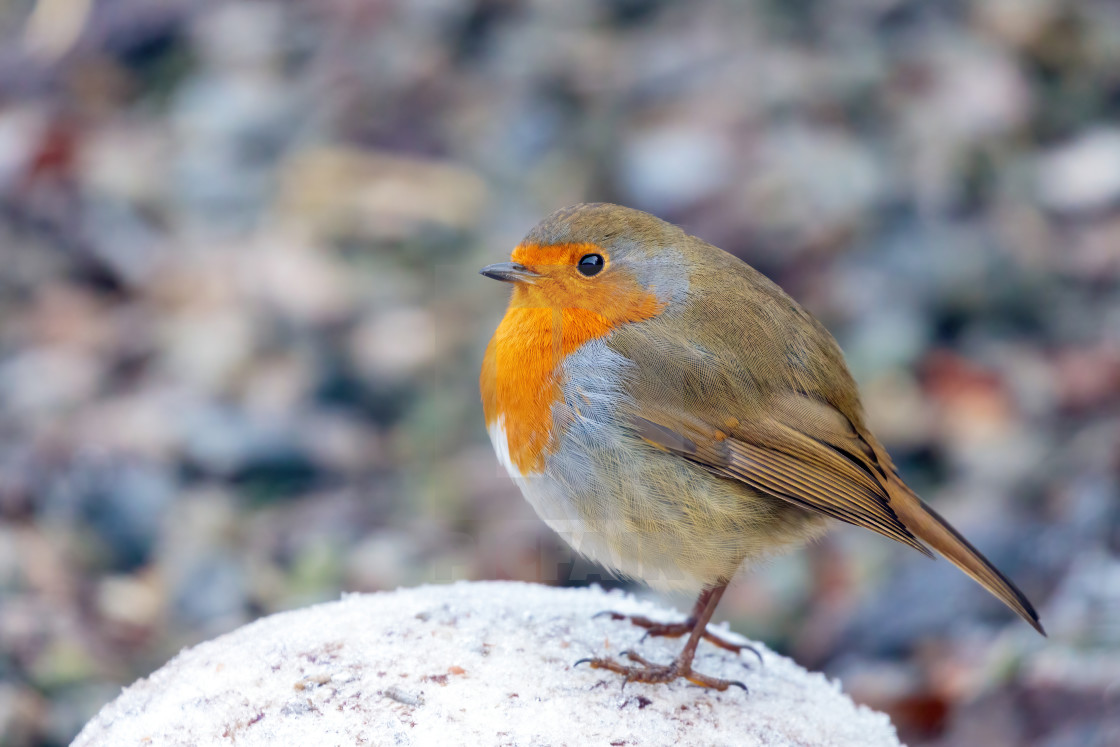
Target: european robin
{"x": 672, "y": 414}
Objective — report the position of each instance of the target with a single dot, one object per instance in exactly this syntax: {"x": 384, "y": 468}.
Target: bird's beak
{"x": 509, "y": 272}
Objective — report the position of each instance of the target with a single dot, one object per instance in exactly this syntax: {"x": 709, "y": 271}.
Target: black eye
{"x": 590, "y": 264}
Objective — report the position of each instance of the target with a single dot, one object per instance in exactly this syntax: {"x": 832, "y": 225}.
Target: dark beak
{"x": 509, "y": 272}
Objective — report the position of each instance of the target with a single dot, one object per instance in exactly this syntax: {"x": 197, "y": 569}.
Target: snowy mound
{"x": 471, "y": 663}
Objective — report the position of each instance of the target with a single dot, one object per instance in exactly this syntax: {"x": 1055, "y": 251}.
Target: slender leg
{"x": 676, "y": 630}
{"x": 682, "y": 667}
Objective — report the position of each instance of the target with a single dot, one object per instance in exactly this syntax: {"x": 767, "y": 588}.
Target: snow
{"x": 471, "y": 663}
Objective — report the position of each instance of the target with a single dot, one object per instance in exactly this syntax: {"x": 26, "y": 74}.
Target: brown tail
{"x": 928, "y": 526}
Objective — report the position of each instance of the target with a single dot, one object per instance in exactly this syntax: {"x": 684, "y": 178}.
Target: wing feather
{"x": 765, "y": 398}
{"x": 787, "y": 464}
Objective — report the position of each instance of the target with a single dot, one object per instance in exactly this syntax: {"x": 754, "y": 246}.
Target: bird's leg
{"x": 676, "y": 630}
{"x": 647, "y": 671}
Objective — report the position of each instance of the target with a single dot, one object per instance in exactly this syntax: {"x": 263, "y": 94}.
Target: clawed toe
{"x": 676, "y": 630}
{"x": 696, "y": 627}
{"x": 648, "y": 672}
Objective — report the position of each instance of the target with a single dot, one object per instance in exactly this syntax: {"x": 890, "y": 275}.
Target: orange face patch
{"x": 547, "y": 320}
{"x": 553, "y": 255}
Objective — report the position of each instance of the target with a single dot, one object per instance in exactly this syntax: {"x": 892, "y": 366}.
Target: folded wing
{"x": 790, "y": 442}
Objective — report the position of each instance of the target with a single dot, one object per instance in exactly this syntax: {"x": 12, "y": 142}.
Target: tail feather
{"x": 928, "y": 526}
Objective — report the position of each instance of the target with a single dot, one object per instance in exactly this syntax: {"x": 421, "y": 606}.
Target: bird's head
{"x": 613, "y": 262}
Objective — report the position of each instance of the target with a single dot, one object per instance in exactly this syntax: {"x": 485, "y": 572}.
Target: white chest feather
{"x": 501, "y": 448}
{"x": 547, "y": 497}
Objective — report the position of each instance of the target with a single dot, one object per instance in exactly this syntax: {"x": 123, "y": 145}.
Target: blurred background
{"x": 241, "y": 321}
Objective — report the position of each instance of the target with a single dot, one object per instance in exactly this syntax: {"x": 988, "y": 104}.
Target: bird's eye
{"x": 590, "y": 264}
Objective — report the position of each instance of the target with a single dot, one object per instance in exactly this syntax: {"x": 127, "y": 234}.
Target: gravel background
{"x": 241, "y": 325}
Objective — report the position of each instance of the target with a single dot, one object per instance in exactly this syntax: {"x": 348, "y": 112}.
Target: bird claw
{"x": 651, "y": 673}
{"x": 642, "y": 670}
{"x": 756, "y": 653}
{"x": 614, "y": 615}
{"x": 676, "y": 630}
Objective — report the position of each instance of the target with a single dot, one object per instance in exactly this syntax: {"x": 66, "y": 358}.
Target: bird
{"x": 674, "y": 415}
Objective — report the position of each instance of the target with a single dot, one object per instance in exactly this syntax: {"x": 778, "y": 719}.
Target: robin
{"x": 672, "y": 414}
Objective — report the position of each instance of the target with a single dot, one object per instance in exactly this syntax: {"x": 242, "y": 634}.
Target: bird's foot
{"x": 647, "y": 671}
{"x": 676, "y": 630}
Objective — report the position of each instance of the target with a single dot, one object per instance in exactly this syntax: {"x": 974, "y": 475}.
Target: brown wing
{"x": 811, "y": 455}
{"x": 764, "y": 397}
{"x": 804, "y": 452}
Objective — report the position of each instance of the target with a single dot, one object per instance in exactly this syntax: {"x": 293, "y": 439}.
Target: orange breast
{"x": 545, "y": 322}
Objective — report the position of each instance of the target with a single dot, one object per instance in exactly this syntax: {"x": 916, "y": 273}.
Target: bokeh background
{"x": 241, "y": 321}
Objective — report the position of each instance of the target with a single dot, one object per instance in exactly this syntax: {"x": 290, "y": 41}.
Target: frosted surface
{"x": 470, "y": 663}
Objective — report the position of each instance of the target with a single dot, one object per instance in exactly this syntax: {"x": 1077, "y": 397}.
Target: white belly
{"x": 605, "y": 542}
{"x": 550, "y": 503}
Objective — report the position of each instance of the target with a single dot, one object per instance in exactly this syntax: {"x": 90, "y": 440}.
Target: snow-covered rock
{"x": 470, "y": 663}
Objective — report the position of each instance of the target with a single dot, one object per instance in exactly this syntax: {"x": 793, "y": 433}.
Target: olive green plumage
{"x": 733, "y": 424}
